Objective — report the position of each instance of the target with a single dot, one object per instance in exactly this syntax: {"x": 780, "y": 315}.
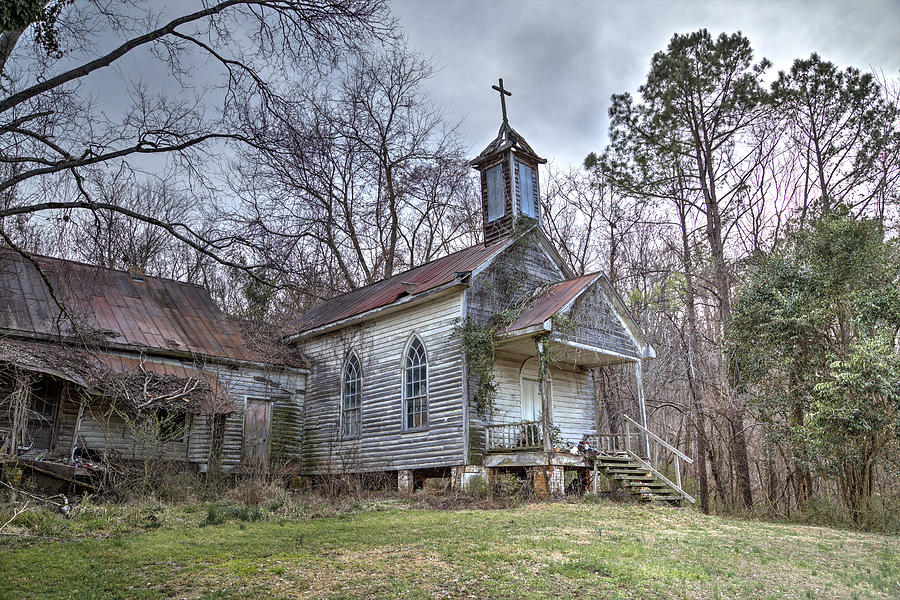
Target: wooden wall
{"x": 383, "y": 443}
{"x": 108, "y": 434}
{"x": 510, "y": 279}
{"x": 571, "y": 396}
{"x": 596, "y": 324}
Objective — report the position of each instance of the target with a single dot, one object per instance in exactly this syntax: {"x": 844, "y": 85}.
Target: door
{"x": 256, "y": 431}
{"x": 531, "y": 400}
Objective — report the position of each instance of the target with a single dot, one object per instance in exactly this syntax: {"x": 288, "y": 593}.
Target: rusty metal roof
{"x": 419, "y": 279}
{"x": 116, "y": 306}
{"x": 550, "y": 302}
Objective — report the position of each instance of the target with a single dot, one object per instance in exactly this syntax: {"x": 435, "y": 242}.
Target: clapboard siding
{"x": 510, "y": 279}
{"x": 570, "y": 396}
{"x": 105, "y": 432}
{"x": 284, "y": 387}
{"x": 597, "y": 325}
{"x": 380, "y": 344}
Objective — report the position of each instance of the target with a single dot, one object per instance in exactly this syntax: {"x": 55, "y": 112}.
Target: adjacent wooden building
{"x": 135, "y": 368}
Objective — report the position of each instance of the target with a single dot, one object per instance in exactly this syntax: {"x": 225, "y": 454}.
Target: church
{"x": 391, "y": 385}
{"x": 479, "y": 364}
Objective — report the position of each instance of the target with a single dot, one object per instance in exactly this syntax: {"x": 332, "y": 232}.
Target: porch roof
{"x": 557, "y": 298}
{"x": 136, "y": 381}
{"x": 565, "y": 351}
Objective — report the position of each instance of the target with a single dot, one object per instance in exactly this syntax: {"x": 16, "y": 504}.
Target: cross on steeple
{"x": 503, "y": 94}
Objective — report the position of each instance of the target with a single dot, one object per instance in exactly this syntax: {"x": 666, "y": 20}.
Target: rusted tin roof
{"x": 415, "y": 281}
{"x": 550, "y": 302}
{"x": 116, "y": 307}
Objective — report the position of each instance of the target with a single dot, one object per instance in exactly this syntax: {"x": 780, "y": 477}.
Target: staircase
{"x": 638, "y": 480}
{"x": 634, "y": 473}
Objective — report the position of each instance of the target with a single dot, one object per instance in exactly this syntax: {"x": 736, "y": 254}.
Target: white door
{"x": 531, "y": 400}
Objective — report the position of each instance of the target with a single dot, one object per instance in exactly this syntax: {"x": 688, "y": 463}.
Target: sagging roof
{"x": 117, "y": 306}
{"x": 136, "y": 383}
{"x": 417, "y": 280}
{"x": 557, "y": 297}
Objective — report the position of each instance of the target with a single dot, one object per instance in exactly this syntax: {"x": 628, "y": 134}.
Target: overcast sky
{"x": 562, "y": 59}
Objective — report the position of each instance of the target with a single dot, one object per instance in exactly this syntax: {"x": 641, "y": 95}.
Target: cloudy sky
{"x": 563, "y": 59}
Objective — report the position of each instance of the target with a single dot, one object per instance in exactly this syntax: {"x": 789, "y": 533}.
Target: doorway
{"x": 257, "y": 414}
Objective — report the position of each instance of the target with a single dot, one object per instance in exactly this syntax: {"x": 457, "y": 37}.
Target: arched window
{"x": 351, "y": 397}
{"x": 415, "y": 386}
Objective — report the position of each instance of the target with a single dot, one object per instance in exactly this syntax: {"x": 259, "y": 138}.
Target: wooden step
{"x": 630, "y": 471}
{"x": 623, "y": 477}
{"x": 613, "y": 459}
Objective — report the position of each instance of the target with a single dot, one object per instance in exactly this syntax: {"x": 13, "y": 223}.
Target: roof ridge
{"x": 424, "y": 264}
{"x": 93, "y": 266}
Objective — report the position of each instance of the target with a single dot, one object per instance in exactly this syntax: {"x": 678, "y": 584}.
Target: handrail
{"x": 665, "y": 444}
{"x": 666, "y": 480}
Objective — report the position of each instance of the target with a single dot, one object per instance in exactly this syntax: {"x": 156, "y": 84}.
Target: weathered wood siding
{"x": 510, "y": 279}
{"x": 383, "y": 444}
{"x": 570, "y": 396}
{"x": 106, "y": 433}
{"x": 286, "y": 389}
{"x": 597, "y": 325}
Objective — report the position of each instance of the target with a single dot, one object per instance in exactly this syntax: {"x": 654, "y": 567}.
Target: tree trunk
{"x": 691, "y": 342}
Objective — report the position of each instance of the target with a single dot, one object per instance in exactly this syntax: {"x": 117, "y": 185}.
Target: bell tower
{"x": 510, "y": 190}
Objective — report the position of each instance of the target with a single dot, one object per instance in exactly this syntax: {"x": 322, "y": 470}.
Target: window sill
{"x": 416, "y": 429}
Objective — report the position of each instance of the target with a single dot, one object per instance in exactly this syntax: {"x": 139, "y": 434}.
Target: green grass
{"x": 391, "y": 549}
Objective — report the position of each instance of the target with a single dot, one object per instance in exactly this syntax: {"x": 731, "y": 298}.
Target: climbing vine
{"x": 479, "y": 344}
{"x": 479, "y": 339}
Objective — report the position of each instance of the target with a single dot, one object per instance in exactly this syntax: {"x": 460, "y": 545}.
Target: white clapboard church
{"x": 389, "y": 387}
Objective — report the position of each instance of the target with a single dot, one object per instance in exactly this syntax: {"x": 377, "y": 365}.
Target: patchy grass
{"x": 394, "y": 549}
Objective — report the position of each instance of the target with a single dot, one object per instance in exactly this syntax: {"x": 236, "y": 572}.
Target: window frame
{"x": 498, "y": 168}
{"x": 352, "y": 356}
{"x": 534, "y": 204}
{"x": 426, "y": 397}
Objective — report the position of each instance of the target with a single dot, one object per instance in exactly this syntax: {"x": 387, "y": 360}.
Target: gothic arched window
{"x": 415, "y": 386}
{"x": 351, "y": 397}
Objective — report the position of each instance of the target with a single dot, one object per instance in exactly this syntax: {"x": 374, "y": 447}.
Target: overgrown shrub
{"x": 219, "y": 513}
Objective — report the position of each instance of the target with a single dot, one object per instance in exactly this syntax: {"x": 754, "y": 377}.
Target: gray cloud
{"x": 563, "y": 59}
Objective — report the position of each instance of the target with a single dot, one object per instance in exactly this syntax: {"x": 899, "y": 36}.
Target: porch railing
{"x": 522, "y": 435}
{"x": 615, "y": 443}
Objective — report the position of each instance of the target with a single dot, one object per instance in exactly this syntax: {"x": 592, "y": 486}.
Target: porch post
{"x": 545, "y": 399}
{"x": 639, "y": 376}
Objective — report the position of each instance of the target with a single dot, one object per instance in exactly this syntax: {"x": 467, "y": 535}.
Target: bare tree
{"x": 59, "y": 141}
{"x": 362, "y": 176}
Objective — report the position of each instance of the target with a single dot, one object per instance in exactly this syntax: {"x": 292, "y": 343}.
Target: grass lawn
{"x": 391, "y": 549}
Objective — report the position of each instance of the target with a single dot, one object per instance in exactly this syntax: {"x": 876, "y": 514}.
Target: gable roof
{"x": 425, "y": 277}
{"x": 124, "y": 309}
{"x": 561, "y": 296}
{"x": 557, "y": 297}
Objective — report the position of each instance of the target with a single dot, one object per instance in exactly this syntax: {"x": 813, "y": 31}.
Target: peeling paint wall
{"x": 383, "y": 444}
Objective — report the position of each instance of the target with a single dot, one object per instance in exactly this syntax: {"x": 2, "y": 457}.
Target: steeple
{"x": 510, "y": 188}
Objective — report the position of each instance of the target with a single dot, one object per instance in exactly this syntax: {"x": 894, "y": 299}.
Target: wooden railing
{"x": 523, "y": 435}
{"x": 646, "y": 456}
{"x": 614, "y": 443}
